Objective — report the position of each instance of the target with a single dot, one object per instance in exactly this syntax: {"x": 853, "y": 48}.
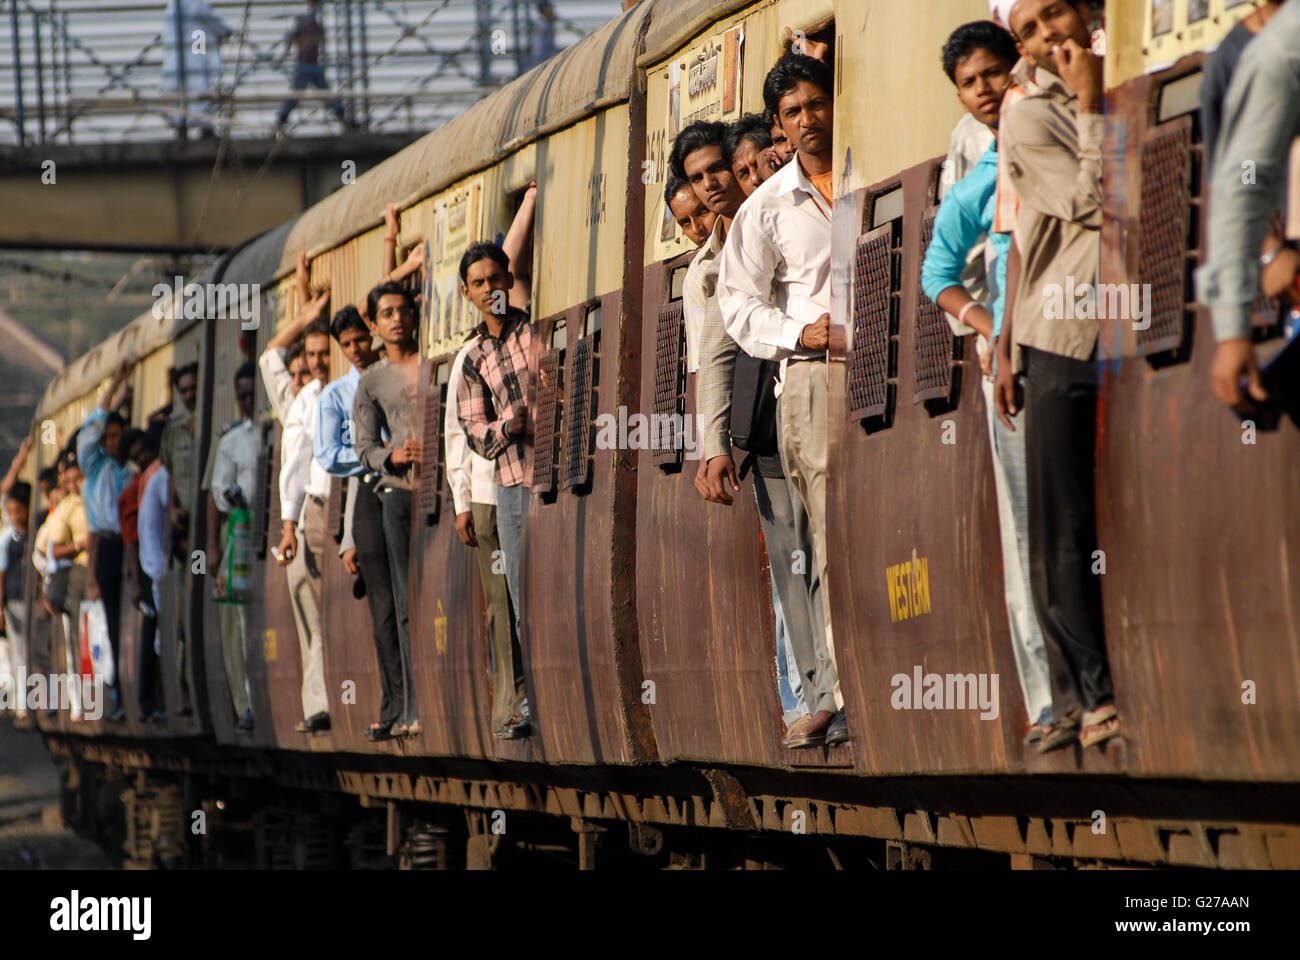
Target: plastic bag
{"x": 96, "y": 651}
{"x": 237, "y": 559}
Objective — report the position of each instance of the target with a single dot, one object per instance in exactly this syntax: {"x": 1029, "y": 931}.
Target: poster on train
{"x": 703, "y": 82}
{"x": 1175, "y": 28}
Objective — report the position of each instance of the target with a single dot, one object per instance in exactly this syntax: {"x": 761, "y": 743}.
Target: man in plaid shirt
{"x": 493, "y": 406}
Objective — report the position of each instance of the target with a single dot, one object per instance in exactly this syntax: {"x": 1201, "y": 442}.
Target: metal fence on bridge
{"x": 105, "y": 70}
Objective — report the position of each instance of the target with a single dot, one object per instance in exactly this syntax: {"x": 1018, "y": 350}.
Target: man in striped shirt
{"x": 492, "y": 401}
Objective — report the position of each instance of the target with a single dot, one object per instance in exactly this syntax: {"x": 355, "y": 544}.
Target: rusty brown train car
{"x": 650, "y": 651}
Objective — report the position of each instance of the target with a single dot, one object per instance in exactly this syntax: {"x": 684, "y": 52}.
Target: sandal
{"x": 1035, "y": 734}
{"x": 400, "y": 730}
{"x": 414, "y": 729}
{"x": 379, "y": 731}
{"x": 1099, "y": 725}
{"x": 1062, "y": 732}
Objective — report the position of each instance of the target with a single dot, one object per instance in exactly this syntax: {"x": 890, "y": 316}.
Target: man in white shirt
{"x": 304, "y": 487}
{"x": 231, "y": 480}
{"x": 474, "y": 494}
{"x": 774, "y": 290}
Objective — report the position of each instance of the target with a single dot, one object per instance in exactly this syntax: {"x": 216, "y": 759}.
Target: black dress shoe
{"x": 315, "y": 723}
{"x": 838, "y": 731}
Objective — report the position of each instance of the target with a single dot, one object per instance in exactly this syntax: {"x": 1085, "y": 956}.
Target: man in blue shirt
{"x": 978, "y": 58}
{"x": 104, "y": 464}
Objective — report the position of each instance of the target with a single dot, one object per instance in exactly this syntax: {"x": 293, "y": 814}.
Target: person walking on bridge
{"x": 308, "y": 35}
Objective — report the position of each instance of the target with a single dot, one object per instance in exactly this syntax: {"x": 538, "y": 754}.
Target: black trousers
{"x": 397, "y": 531}
{"x": 1060, "y": 437}
{"x": 148, "y": 670}
{"x": 108, "y": 574}
{"x": 372, "y": 557}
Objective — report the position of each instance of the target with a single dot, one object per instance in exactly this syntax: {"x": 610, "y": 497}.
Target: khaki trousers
{"x": 304, "y": 577}
{"x": 801, "y": 423}
{"x": 234, "y": 628}
{"x": 507, "y": 664}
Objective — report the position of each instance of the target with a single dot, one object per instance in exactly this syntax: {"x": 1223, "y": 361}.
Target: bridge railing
{"x": 106, "y": 70}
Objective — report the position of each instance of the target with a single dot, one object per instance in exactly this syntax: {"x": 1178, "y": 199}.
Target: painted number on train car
{"x": 908, "y": 585}
{"x": 269, "y": 652}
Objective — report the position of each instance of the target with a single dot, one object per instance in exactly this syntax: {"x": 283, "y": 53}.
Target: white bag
{"x": 94, "y": 623}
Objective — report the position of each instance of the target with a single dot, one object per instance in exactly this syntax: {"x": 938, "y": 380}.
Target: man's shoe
{"x": 810, "y": 732}
{"x": 516, "y": 728}
{"x": 159, "y": 717}
{"x": 117, "y": 716}
{"x": 313, "y": 724}
{"x": 838, "y": 731}
{"x": 246, "y": 721}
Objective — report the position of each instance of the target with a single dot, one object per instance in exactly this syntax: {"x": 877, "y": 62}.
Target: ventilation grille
{"x": 546, "y": 419}
{"x": 1166, "y": 255}
{"x": 430, "y": 488}
{"x": 936, "y": 346}
{"x": 670, "y": 378}
{"x": 261, "y": 505}
{"x": 875, "y": 319}
{"x": 580, "y": 380}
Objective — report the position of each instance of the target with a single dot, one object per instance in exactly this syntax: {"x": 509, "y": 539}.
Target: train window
{"x": 670, "y": 380}
{"x": 1169, "y": 249}
{"x": 1179, "y": 96}
{"x": 591, "y": 319}
{"x": 938, "y": 350}
{"x": 887, "y": 206}
{"x": 548, "y": 407}
{"x": 429, "y": 492}
{"x": 582, "y": 377}
{"x": 877, "y": 299}
{"x": 677, "y": 279}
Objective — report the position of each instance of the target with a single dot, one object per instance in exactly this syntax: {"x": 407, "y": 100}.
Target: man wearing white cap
{"x": 1050, "y": 143}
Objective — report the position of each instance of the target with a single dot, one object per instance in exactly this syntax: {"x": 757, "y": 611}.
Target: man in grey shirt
{"x": 1260, "y": 121}
{"x": 386, "y": 402}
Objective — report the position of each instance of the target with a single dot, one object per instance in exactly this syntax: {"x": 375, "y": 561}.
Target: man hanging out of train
{"x": 1051, "y": 145}
{"x": 699, "y": 156}
{"x": 474, "y": 493}
{"x": 492, "y": 401}
{"x": 695, "y": 219}
{"x": 100, "y": 453}
{"x": 303, "y": 488}
{"x": 152, "y": 531}
{"x": 978, "y": 58}
{"x": 176, "y": 453}
{"x": 1260, "y": 122}
{"x": 231, "y": 480}
{"x": 385, "y": 404}
{"x": 748, "y": 143}
{"x": 774, "y": 294}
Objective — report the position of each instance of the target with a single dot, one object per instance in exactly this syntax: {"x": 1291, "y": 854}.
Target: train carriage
{"x": 648, "y": 647}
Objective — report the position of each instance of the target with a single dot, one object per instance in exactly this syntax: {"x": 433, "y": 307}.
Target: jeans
{"x": 1060, "y": 433}
{"x": 1011, "y": 481}
{"x": 308, "y": 75}
{"x": 785, "y": 530}
{"x": 397, "y": 533}
{"x": 512, "y": 505}
{"x": 503, "y": 646}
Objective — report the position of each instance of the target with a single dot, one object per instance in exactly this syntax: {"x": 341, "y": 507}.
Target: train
{"x": 649, "y": 653}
